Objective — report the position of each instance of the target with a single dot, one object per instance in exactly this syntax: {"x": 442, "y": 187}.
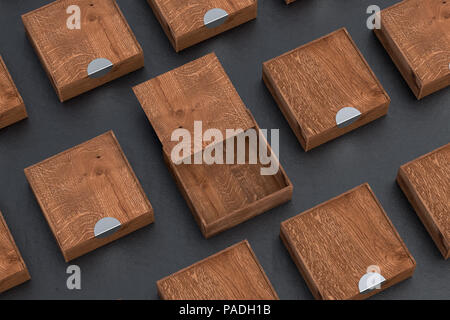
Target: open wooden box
{"x": 89, "y": 195}
{"x": 13, "y": 270}
{"x": 416, "y": 34}
{"x": 426, "y": 183}
{"x": 77, "y": 60}
{"x": 325, "y": 89}
{"x": 189, "y": 22}
{"x": 12, "y": 108}
{"x": 220, "y": 196}
{"x": 347, "y": 248}
{"x": 231, "y": 274}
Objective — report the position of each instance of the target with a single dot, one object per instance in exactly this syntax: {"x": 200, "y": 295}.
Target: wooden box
{"x": 416, "y": 34}
{"x": 12, "y": 108}
{"x": 220, "y": 196}
{"x": 13, "y": 270}
{"x": 189, "y": 22}
{"x": 232, "y": 274}
{"x": 338, "y": 244}
{"x": 78, "y": 60}
{"x": 325, "y": 89}
{"x": 90, "y": 195}
{"x": 426, "y": 183}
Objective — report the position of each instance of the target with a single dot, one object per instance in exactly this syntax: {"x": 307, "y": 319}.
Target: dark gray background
{"x": 128, "y": 268}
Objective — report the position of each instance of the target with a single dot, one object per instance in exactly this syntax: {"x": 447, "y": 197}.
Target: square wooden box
{"x": 416, "y": 34}
{"x": 74, "y": 58}
{"x": 13, "y": 270}
{"x": 12, "y": 108}
{"x": 89, "y": 195}
{"x": 189, "y": 22}
{"x": 231, "y": 274}
{"x": 426, "y": 183}
{"x": 325, "y": 89}
{"x": 220, "y": 196}
{"x": 337, "y": 242}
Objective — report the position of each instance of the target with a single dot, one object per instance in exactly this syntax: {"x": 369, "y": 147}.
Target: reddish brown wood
{"x": 334, "y": 244}
{"x": 232, "y": 274}
{"x": 65, "y": 54}
{"x": 13, "y": 270}
{"x": 220, "y": 195}
{"x": 416, "y": 34}
{"x": 426, "y": 183}
{"x": 313, "y": 82}
{"x": 182, "y": 21}
{"x": 12, "y": 108}
{"x": 82, "y": 185}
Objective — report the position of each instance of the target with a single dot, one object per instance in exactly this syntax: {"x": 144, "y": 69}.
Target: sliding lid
{"x": 197, "y": 91}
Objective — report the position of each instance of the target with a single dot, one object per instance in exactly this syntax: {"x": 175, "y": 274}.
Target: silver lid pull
{"x": 99, "y": 68}
{"x": 346, "y": 116}
{"x": 215, "y": 17}
{"x": 106, "y": 227}
{"x": 370, "y": 281}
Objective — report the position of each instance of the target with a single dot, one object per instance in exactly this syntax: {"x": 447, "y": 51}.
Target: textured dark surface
{"x": 130, "y": 267}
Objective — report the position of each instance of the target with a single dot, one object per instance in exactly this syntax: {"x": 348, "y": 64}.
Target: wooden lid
{"x": 66, "y": 53}
{"x": 197, "y": 91}
{"x": 12, "y": 267}
{"x": 232, "y": 274}
{"x": 80, "y": 187}
{"x": 314, "y": 82}
{"x": 420, "y": 30}
{"x": 427, "y": 182}
{"x": 9, "y": 96}
{"x": 335, "y": 243}
{"x": 189, "y": 22}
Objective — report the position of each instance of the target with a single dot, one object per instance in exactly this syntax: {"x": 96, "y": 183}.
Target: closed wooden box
{"x": 89, "y": 195}
{"x": 232, "y": 274}
{"x": 416, "y": 34}
{"x": 325, "y": 89}
{"x": 220, "y": 196}
{"x": 78, "y": 60}
{"x": 189, "y": 22}
{"x": 340, "y": 244}
{"x": 12, "y": 108}
{"x": 13, "y": 270}
{"x": 426, "y": 183}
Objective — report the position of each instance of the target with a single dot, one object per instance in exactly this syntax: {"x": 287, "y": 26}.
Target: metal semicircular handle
{"x": 346, "y": 116}
{"x": 215, "y": 17}
{"x": 370, "y": 281}
{"x": 98, "y": 68}
{"x": 106, "y": 227}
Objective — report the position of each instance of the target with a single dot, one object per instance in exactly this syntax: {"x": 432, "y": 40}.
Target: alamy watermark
{"x": 236, "y": 147}
{"x": 74, "y": 20}
{"x": 74, "y": 280}
{"x": 374, "y": 20}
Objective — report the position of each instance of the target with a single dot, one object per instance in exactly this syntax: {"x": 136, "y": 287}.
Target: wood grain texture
{"x": 426, "y": 183}
{"x": 232, "y": 274}
{"x": 182, "y": 20}
{"x": 416, "y": 34}
{"x": 334, "y": 243}
{"x": 13, "y": 270}
{"x": 220, "y": 196}
{"x": 313, "y": 82}
{"x": 65, "y": 54}
{"x": 12, "y": 107}
{"x": 82, "y": 185}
